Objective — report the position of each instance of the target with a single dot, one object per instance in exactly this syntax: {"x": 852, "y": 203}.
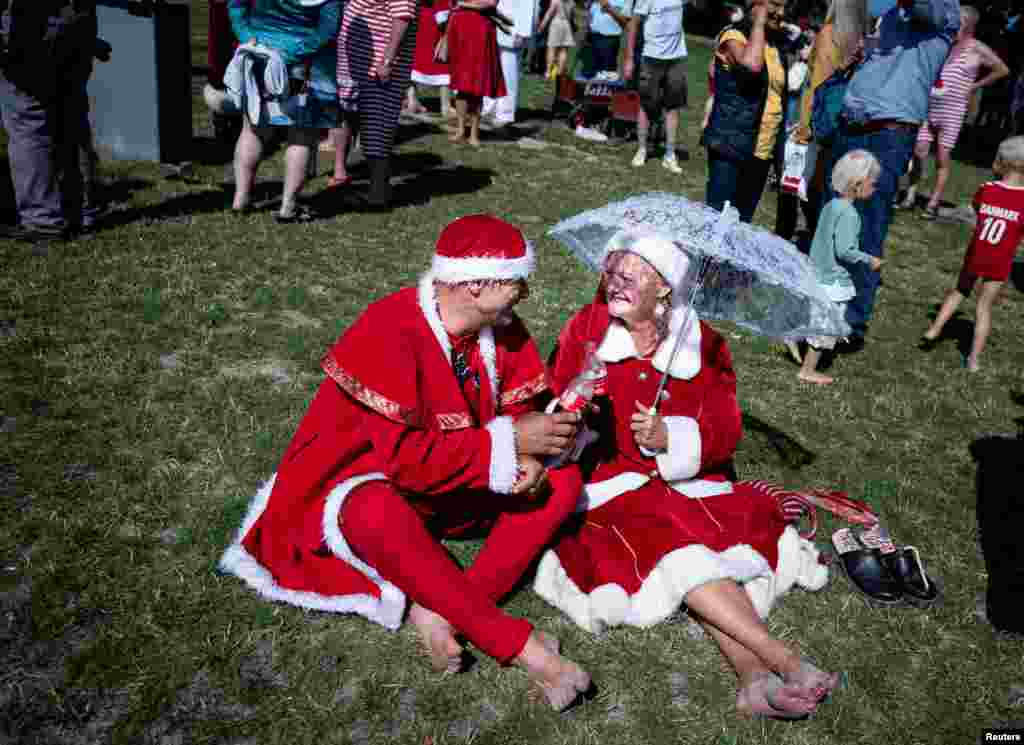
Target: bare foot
{"x": 971, "y": 364}
{"x": 438, "y": 637}
{"x": 474, "y": 141}
{"x": 768, "y": 696}
{"x": 559, "y": 679}
{"x": 815, "y": 684}
{"x": 814, "y": 377}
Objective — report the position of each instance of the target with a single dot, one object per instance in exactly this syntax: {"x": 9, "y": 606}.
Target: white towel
{"x": 245, "y": 92}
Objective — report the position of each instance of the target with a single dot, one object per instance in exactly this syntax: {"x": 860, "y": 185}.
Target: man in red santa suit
{"x": 662, "y": 523}
{"x": 426, "y": 426}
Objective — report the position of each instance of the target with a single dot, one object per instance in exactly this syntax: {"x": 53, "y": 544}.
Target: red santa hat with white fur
{"x": 481, "y": 247}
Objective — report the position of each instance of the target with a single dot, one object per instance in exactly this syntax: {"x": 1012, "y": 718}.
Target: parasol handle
{"x": 684, "y": 331}
{"x": 722, "y": 224}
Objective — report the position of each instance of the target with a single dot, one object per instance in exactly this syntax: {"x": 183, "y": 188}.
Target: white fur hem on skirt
{"x": 678, "y": 572}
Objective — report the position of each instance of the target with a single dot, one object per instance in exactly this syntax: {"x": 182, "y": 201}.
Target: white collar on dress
{"x": 427, "y": 298}
{"x": 618, "y": 345}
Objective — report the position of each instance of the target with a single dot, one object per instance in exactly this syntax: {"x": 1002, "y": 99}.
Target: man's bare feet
{"x": 559, "y": 679}
{"x": 766, "y": 695}
{"x": 814, "y": 683}
{"x": 814, "y": 377}
{"x": 474, "y": 141}
{"x": 438, "y": 637}
{"x": 457, "y": 136}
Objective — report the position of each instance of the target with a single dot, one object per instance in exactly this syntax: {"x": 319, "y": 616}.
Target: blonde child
{"x": 999, "y": 206}
{"x": 838, "y": 238}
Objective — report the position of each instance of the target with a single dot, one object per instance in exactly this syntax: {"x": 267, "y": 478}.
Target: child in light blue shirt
{"x": 838, "y": 239}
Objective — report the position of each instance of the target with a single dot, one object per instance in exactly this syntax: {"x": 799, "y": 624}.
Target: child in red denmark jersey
{"x": 1000, "y": 209}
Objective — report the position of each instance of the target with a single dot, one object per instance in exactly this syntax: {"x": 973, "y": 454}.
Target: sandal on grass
{"x": 864, "y": 569}
{"x": 336, "y": 183}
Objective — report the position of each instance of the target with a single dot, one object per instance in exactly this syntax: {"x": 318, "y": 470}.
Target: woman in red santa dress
{"x": 661, "y": 523}
{"x": 475, "y": 64}
{"x": 425, "y": 427}
{"x": 426, "y": 69}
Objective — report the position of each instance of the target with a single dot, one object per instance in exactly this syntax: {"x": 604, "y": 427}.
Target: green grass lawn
{"x": 152, "y": 377}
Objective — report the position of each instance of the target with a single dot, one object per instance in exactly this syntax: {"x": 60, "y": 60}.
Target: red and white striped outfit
{"x": 947, "y": 104}
{"x": 362, "y": 41}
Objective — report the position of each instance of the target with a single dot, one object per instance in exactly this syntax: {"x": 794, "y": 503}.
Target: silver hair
{"x": 973, "y": 16}
{"x": 853, "y": 169}
{"x": 1011, "y": 154}
{"x": 849, "y": 19}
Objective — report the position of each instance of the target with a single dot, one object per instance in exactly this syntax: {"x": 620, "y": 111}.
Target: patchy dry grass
{"x": 152, "y": 377}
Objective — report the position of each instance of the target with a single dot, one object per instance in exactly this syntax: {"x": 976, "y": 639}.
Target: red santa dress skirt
{"x": 473, "y": 57}
{"x": 425, "y": 70}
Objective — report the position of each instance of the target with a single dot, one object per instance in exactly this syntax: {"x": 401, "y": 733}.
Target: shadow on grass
{"x": 1000, "y": 514}
{"x": 791, "y": 453}
{"x": 417, "y": 178}
{"x": 1017, "y": 275}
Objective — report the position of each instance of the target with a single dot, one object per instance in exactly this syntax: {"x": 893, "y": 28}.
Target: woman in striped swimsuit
{"x": 375, "y": 50}
{"x": 947, "y": 105}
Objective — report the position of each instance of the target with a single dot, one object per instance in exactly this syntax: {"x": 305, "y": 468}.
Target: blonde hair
{"x": 853, "y": 169}
{"x": 1010, "y": 156}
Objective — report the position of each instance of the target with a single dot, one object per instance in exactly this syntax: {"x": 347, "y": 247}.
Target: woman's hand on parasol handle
{"x": 649, "y": 429}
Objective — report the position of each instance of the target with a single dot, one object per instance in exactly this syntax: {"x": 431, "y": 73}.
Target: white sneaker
{"x": 640, "y": 158}
{"x": 669, "y": 163}
{"x": 586, "y": 133}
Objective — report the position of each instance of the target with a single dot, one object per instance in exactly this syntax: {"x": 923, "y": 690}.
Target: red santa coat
{"x": 425, "y": 69}
{"x": 390, "y": 408}
{"x": 655, "y": 526}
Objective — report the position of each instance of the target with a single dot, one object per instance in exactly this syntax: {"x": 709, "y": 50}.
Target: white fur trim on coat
{"x": 504, "y": 464}
{"x": 427, "y": 299}
{"x": 678, "y": 573}
{"x": 386, "y": 610}
{"x": 682, "y": 458}
{"x": 618, "y": 345}
{"x": 424, "y": 79}
{"x": 453, "y": 271}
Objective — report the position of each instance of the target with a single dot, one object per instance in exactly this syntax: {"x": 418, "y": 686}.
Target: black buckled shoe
{"x": 918, "y": 588}
{"x": 865, "y": 570}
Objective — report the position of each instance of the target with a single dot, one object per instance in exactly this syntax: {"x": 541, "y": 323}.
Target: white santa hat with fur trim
{"x": 660, "y": 252}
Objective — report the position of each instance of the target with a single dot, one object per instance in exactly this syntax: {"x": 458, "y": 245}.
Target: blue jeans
{"x": 893, "y": 148}
{"x": 739, "y": 182}
{"x": 45, "y": 110}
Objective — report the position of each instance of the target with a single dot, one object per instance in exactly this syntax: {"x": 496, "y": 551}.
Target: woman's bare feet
{"x": 457, "y": 134}
{"x": 766, "y": 695}
{"x": 814, "y": 683}
{"x": 438, "y": 637}
{"x": 814, "y": 377}
{"x": 559, "y": 679}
